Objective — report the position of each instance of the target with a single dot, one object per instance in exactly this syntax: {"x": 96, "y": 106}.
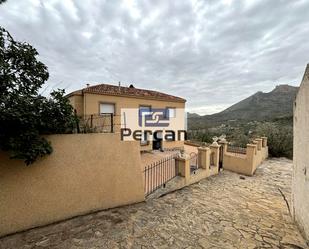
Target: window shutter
{"x": 107, "y": 108}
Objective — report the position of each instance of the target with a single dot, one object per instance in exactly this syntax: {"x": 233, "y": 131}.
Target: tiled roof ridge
{"x": 109, "y": 89}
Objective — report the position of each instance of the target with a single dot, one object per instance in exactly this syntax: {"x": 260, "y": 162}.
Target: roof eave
{"x": 180, "y": 100}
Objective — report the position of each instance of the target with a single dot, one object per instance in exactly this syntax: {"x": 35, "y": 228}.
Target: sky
{"x": 213, "y": 53}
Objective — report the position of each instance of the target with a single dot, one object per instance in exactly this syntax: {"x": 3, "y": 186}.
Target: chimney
{"x": 87, "y": 85}
{"x": 119, "y": 84}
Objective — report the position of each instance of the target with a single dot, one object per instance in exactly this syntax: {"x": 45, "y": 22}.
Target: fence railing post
{"x": 265, "y": 148}
{"x": 259, "y": 143}
{"x": 264, "y": 141}
{"x": 251, "y": 150}
{"x": 215, "y": 150}
{"x": 224, "y": 145}
{"x": 203, "y": 157}
{"x": 183, "y": 167}
{"x": 251, "y": 156}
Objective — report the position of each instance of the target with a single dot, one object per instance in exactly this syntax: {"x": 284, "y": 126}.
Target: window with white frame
{"x": 171, "y": 112}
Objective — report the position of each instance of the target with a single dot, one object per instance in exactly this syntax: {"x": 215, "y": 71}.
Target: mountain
{"x": 258, "y": 107}
{"x": 192, "y": 115}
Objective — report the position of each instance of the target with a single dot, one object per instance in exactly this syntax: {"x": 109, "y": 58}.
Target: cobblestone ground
{"x": 224, "y": 211}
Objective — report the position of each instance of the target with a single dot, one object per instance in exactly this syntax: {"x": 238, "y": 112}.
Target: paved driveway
{"x": 219, "y": 212}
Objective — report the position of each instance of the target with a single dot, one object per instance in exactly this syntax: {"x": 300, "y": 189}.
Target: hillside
{"x": 258, "y": 107}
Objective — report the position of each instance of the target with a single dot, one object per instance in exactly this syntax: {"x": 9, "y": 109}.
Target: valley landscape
{"x": 262, "y": 114}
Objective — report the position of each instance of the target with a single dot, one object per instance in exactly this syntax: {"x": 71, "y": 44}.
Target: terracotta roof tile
{"x": 106, "y": 89}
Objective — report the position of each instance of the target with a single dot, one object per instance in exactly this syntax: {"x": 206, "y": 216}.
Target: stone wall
{"x": 86, "y": 172}
{"x": 300, "y": 186}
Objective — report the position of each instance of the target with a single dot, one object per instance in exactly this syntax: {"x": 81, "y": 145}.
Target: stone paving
{"x": 224, "y": 211}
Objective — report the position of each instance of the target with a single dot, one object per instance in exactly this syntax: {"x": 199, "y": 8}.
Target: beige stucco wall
{"x": 238, "y": 163}
{"x": 91, "y": 103}
{"x": 88, "y": 104}
{"x": 165, "y": 145}
{"x": 86, "y": 172}
{"x": 173, "y": 144}
{"x": 300, "y": 186}
{"x": 246, "y": 164}
{"x": 205, "y": 169}
{"x": 78, "y": 104}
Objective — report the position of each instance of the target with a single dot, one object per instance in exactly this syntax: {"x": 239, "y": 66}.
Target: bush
{"x": 24, "y": 114}
{"x": 280, "y": 139}
{"x": 238, "y": 139}
{"x": 202, "y": 136}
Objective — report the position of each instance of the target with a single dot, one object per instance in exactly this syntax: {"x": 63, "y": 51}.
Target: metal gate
{"x": 221, "y": 151}
{"x": 158, "y": 173}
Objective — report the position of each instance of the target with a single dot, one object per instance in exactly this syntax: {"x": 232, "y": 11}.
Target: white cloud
{"x": 209, "y": 109}
{"x": 213, "y": 53}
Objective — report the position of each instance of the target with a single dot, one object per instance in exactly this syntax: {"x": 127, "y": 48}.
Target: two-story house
{"x": 102, "y": 106}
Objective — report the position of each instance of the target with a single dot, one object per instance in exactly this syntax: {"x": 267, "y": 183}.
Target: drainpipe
{"x": 84, "y": 98}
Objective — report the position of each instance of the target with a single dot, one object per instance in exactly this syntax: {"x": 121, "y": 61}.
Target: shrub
{"x": 280, "y": 138}
{"x": 24, "y": 114}
{"x": 238, "y": 139}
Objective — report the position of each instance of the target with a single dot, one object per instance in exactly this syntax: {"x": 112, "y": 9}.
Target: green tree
{"x": 238, "y": 138}
{"x": 24, "y": 114}
{"x": 280, "y": 138}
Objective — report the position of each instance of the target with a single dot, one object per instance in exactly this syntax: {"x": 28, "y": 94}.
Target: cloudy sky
{"x": 211, "y": 52}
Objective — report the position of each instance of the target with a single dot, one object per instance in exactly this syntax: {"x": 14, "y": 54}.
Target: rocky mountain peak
{"x": 284, "y": 88}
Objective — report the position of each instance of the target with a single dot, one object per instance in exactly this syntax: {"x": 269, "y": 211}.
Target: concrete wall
{"x": 238, "y": 163}
{"x": 205, "y": 169}
{"x": 185, "y": 176}
{"x": 86, "y": 172}
{"x": 300, "y": 186}
{"x": 246, "y": 164}
{"x": 173, "y": 144}
{"x": 77, "y": 101}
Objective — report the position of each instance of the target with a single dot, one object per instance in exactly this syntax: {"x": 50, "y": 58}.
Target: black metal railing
{"x": 106, "y": 123}
{"x": 236, "y": 150}
{"x": 158, "y": 173}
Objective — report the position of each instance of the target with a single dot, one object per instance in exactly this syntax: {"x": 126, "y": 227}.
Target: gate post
{"x": 264, "y": 147}
{"x": 222, "y": 152}
{"x": 183, "y": 167}
{"x": 204, "y": 157}
{"x": 264, "y": 141}
{"x": 215, "y": 152}
{"x": 259, "y": 143}
{"x": 224, "y": 145}
{"x": 251, "y": 157}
